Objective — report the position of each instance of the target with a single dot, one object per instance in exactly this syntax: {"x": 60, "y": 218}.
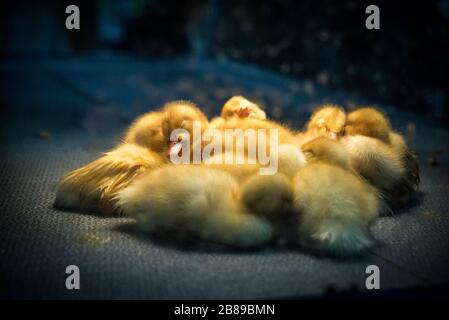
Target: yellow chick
{"x": 239, "y": 107}
{"x": 381, "y": 155}
{"x": 193, "y": 201}
{"x": 229, "y": 204}
{"x": 327, "y": 120}
{"x": 334, "y": 206}
{"x": 146, "y": 145}
{"x": 153, "y": 130}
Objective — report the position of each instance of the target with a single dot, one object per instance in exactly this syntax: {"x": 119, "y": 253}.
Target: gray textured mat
{"x": 38, "y": 242}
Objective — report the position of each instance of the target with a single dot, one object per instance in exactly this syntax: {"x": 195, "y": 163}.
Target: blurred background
{"x": 289, "y": 56}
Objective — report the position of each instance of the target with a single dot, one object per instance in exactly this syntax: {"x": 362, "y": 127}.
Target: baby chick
{"x": 327, "y": 120}
{"x": 239, "y": 107}
{"x": 146, "y": 132}
{"x": 334, "y": 206}
{"x": 268, "y": 196}
{"x": 250, "y": 125}
{"x": 368, "y": 122}
{"x": 193, "y": 200}
{"x": 146, "y": 146}
{"x": 242, "y": 108}
{"x": 92, "y": 187}
{"x": 153, "y": 130}
{"x": 381, "y": 155}
{"x": 271, "y": 195}
{"x": 223, "y": 203}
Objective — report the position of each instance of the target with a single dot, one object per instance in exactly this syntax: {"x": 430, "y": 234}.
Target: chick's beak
{"x": 174, "y": 148}
{"x": 333, "y": 135}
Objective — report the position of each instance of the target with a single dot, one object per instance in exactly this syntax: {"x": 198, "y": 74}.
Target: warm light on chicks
{"x": 332, "y": 179}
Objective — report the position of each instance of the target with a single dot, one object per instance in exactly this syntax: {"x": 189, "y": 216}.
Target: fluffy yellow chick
{"x": 283, "y": 134}
{"x": 242, "y": 108}
{"x": 193, "y": 201}
{"x": 239, "y": 107}
{"x": 146, "y": 146}
{"x": 153, "y": 130}
{"x": 381, "y": 155}
{"x": 251, "y": 124}
{"x": 334, "y": 206}
{"x": 268, "y": 195}
{"x": 229, "y": 204}
{"x": 327, "y": 120}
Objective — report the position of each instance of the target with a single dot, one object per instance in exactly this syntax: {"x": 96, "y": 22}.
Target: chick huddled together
{"x": 333, "y": 180}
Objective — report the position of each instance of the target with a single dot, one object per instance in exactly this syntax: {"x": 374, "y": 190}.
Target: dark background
{"x": 323, "y": 42}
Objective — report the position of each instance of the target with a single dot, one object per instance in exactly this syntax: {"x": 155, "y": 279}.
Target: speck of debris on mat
{"x": 90, "y": 238}
{"x": 428, "y": 214}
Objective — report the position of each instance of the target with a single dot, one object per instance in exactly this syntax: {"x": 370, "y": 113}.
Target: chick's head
{"x": 241, "y": 107}
{"x": 328, "y": 121}
{"x": 182, "y": 123}
{"x": 368, "y": 122}
{"x": 146, "y": 131}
